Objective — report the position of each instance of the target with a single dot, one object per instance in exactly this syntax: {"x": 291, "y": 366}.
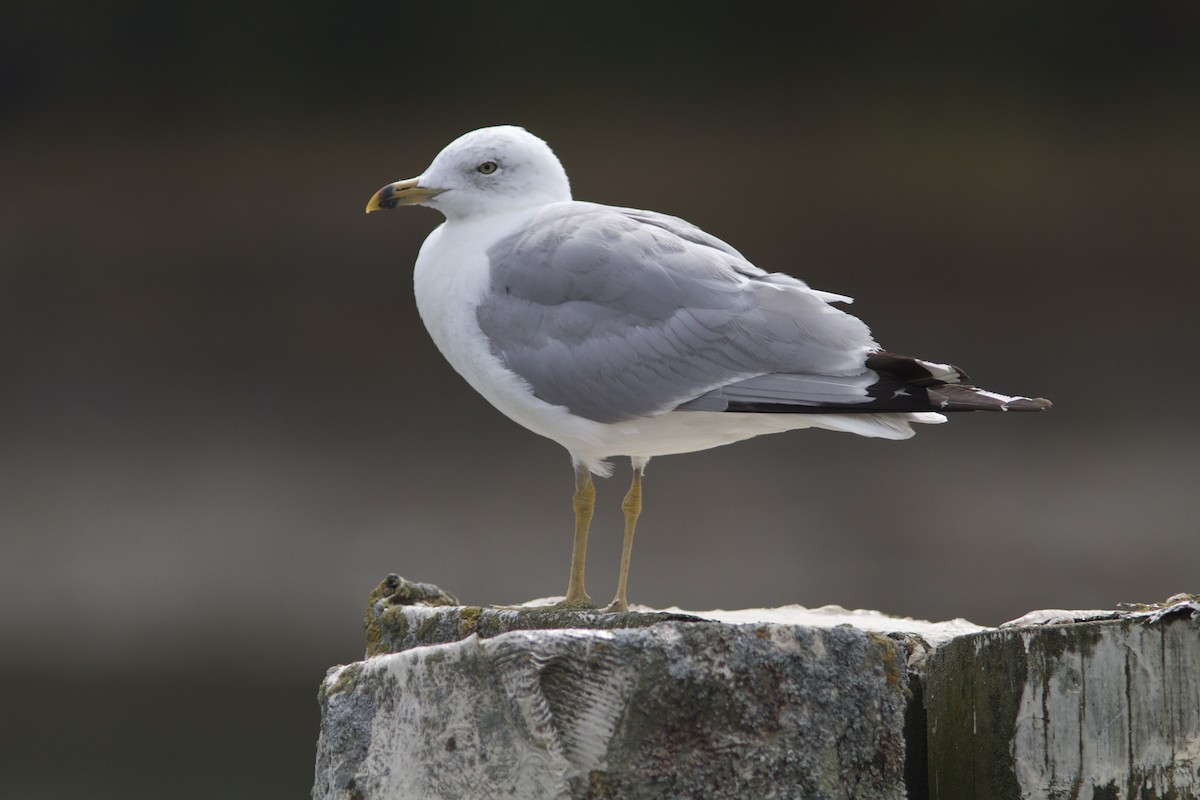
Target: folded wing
{"x": 618, "y": 314}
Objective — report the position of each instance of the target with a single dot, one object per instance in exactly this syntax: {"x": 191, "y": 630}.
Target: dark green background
{"x": 221, "y": 421}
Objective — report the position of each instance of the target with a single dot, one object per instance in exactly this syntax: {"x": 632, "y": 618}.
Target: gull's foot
{"x": 616, "y": 607}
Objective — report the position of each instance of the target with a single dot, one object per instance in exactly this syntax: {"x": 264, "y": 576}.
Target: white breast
{"x": 450, "y": 278}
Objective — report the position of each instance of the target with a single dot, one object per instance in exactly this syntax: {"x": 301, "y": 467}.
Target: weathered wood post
{"x": 1091, "y": 710}
{"x": 461, "y": 702}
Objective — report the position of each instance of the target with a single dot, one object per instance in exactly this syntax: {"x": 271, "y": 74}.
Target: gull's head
{"x": 488, "y": 171}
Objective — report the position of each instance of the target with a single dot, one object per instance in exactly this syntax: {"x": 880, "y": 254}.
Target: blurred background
{"x": 222, "y": 422}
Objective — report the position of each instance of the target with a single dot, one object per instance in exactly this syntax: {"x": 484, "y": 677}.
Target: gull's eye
{"x": 487, "y": 167}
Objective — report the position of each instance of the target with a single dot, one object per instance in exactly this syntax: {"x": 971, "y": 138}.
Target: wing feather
{"x": 617, "y": 314}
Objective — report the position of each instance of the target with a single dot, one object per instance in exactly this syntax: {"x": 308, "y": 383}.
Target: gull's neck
{"x": 509, "y": 215}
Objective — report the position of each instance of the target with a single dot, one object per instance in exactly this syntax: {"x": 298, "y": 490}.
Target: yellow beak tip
{"x": 400, "y": 193}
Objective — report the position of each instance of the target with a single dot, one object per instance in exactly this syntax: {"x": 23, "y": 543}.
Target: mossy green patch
{"x": 346, "y": 680}
{"x": 893, "y": 668}
{"x": 424, "y": 631}
{"x": 469, "y": 619}
{"x": 391, "y": 625}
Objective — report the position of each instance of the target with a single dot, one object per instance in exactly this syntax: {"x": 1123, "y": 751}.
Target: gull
{"x": 620, "y": 332}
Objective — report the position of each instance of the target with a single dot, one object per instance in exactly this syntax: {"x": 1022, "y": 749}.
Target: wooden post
{"x": 1088, "y": 711}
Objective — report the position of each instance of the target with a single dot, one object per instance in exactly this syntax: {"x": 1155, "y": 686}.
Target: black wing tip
{"x": 903, "y": 385}
{"x": 948, "y": 386}
{"x": 915, "y": 371}
{"x": 950, "y": 398}
{"x": 1030, "y": 404}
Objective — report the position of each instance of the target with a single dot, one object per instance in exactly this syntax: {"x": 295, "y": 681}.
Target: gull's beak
{"x": 401, "y": 193}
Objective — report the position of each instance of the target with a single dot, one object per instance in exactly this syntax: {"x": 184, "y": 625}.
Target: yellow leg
{"x": 584, "y": 503}
{"x": 632, "y": 506}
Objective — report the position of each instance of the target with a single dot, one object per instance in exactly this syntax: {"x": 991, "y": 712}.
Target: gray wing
{"x": 616, "y": 314}
{"x": 690, "y": 233}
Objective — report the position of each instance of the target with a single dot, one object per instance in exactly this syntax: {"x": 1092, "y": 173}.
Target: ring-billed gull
{"x": 619, "y": 332}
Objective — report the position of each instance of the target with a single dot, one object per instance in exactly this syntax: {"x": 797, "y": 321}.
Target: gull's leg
{"x": 584, "y": 503}
{"x": 632, "y": 506}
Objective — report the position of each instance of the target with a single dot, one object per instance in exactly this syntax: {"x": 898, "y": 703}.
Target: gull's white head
{"x": 488, "y": 171}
